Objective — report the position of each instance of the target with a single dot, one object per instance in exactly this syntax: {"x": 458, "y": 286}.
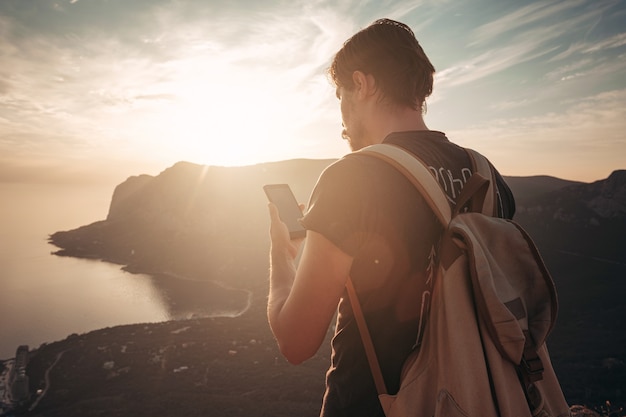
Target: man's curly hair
{"x": 389, "y": 51}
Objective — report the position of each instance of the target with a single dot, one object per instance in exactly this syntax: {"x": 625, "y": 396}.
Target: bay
{"x": 44, "y": 297}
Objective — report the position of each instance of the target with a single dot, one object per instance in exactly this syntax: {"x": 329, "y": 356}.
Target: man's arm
{"x": 303, "y": 300}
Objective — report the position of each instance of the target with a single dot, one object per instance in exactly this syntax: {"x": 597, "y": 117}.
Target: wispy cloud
{"x": 577, "y": 68}
{"x": 537, "y": 30}
{"x": 612, "y": 42}
{"x": 489, "y": 62}
{"x": 588, "y": 47}
{"x": 530, "y": 15}
{"x": 584, "y": 140}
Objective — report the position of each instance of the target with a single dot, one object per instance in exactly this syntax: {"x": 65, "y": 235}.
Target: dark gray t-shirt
{"x": 373, "y": 213}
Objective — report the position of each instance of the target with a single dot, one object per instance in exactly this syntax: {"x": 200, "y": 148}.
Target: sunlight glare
{"x": 234, "y": 121}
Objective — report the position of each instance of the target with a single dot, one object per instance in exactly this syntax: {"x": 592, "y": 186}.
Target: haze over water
{"x": 43, "y": 297}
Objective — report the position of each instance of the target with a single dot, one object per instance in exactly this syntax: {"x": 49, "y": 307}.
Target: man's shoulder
{"x": 352, "y": 165}
{"x": 357, "y": 174}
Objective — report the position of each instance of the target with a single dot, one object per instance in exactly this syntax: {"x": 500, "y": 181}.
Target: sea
{"x": 45, "y": 297}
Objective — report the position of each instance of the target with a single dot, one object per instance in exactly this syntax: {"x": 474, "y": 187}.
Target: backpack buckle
{"x": 533, "y": 367}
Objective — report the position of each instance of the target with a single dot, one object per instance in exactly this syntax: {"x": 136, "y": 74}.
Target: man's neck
{"x": 396, "y": 120}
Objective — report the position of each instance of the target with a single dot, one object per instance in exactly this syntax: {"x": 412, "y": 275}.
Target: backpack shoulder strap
{"x": 480, "y": 190}
{"x": 482, "y": 167}
{"x": 366, "y": 338}
{"x": 418, "y": 173}
{"x": 420, "y": 176}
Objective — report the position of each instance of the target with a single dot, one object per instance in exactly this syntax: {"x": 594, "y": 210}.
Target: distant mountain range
{"x": 587, "y": 219}
{"x": 211, "y": 223}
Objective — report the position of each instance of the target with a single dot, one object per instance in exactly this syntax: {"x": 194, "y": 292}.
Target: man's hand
{"x": 302, "y": 302}
{"x": 279, "y": 234}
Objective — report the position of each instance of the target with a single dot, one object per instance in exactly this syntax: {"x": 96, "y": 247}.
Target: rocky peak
{"x": 125, "y": 191}
{"x": 610, "y": 196}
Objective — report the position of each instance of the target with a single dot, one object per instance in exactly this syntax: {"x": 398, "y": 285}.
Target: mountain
{"x": 211, "y": 223}
{"x": 201, "y": 222}
{"x": 586, "y": 219}
{"x": 528, "y": 188}
{"x": 580, "y": 230}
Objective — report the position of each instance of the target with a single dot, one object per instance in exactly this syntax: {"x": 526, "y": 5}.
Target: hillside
{"x": 527, "y": 189}
{"x": 211, "y": 223}
{"x": 225, "y": 367}
{"x": 580, "y": 230}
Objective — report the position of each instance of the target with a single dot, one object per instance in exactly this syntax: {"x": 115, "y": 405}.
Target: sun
{"x": 229, "y": 115}
{"x": 230, "y": 119}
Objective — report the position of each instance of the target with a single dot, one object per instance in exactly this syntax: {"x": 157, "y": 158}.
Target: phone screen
{"x": 288, "y": 209}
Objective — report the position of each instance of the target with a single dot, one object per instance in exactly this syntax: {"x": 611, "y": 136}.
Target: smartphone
{"x": 288, "y": 208}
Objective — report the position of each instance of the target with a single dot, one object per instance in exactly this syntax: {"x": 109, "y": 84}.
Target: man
{"x": 367, "y": 221}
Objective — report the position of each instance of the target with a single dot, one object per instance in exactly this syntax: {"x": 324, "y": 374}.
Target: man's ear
{"x": 364, "y": 84}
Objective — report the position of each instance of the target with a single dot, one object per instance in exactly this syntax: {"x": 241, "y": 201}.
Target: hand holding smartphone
{"x": 288, "y": 208}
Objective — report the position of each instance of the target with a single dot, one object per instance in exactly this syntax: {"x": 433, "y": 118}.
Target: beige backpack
{"x": 482, "y": 352}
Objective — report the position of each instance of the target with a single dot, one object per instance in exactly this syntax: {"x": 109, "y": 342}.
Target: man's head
{"x": 388, "y": 51}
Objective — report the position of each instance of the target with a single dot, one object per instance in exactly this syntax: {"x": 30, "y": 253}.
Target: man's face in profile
{"x": 353, "y": 127}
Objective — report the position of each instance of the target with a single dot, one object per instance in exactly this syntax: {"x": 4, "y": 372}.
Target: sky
{"x": 100, "y": 90}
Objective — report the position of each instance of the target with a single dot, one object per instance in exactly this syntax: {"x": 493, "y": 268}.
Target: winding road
{"x": 47, "y": 380}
